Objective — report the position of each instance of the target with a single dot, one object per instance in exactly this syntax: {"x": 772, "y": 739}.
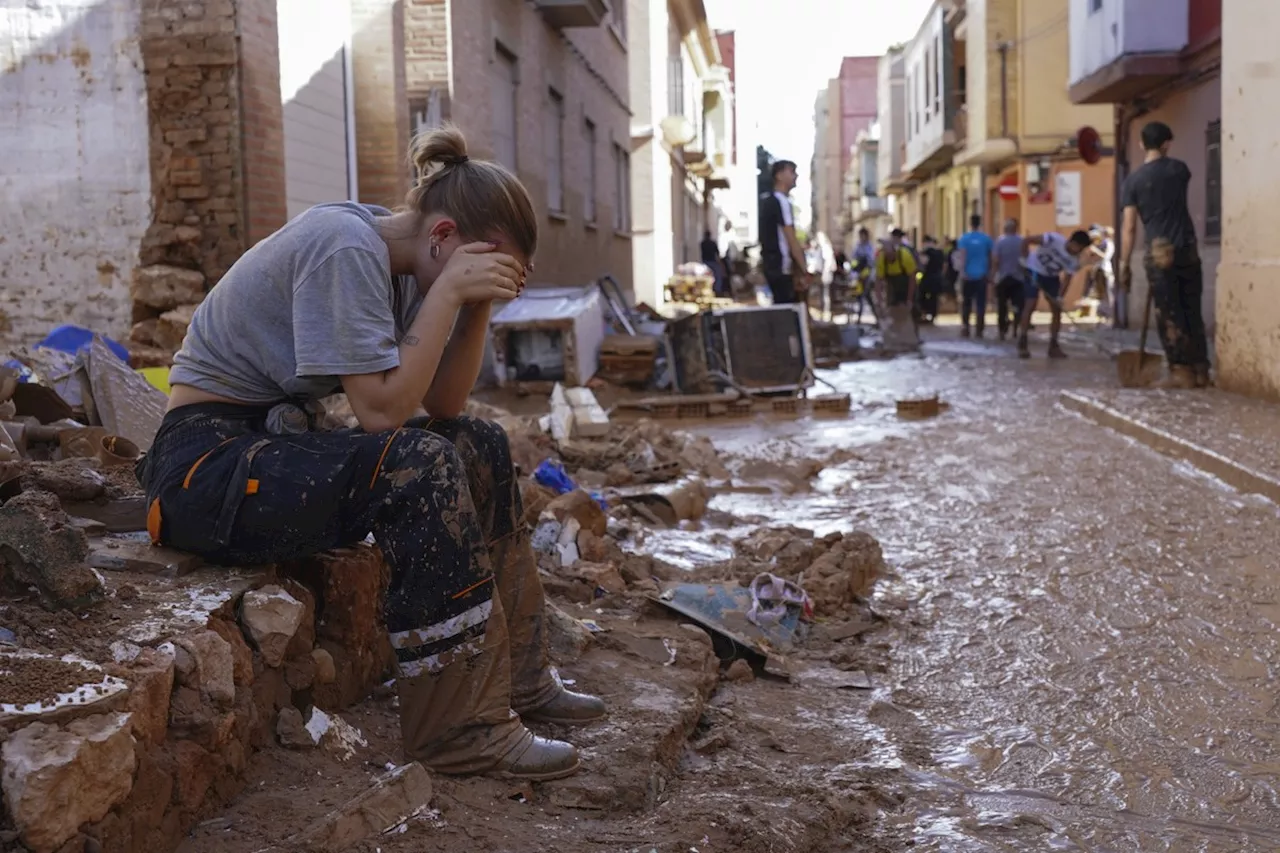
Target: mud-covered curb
{"x": 1211, "y": 462}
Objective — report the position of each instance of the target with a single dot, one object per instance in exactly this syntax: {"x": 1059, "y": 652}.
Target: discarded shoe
{"x": 538, "y": 759}
{"x": 567, "y": 708}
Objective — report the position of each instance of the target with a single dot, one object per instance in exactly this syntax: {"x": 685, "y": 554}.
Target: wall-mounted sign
{"x": 1067, "y": 202}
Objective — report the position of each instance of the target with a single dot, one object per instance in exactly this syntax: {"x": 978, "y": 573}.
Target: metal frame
{"x": 802, "y": 318}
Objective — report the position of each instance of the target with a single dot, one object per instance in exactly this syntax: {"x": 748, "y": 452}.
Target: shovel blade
{"x": 1139, "y": 369}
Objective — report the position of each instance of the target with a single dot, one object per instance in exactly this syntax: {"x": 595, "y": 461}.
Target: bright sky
{"x": 788, "y": 49}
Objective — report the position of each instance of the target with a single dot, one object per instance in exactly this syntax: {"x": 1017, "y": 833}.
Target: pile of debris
{"x": 164, "y": 298}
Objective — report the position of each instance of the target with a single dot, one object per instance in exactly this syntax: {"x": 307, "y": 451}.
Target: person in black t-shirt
{"x": 1157, "y": 193}
{"x": 931, "y": 282}
{"x": 780, "y": 248}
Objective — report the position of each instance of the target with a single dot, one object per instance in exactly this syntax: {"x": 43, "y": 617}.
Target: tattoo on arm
{"x": 410, "y": 340}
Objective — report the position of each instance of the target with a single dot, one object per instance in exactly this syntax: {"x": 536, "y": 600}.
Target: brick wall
{"x": 426, "y": 50}
{"x": 589, "y": 67}
{"x": 216, "y": 147}
{"x": 262, "y": 116}
{"x": 381, "y": 103}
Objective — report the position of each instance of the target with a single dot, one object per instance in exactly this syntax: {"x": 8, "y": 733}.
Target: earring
{"x": 435, "y": 251}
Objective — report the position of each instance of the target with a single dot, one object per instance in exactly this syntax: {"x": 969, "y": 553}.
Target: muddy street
{"x": 1084, "y": 652}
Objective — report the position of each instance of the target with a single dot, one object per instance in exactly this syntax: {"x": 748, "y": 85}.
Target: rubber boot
{"x": 457, "y": 718}
{"x": 536, "y": 690}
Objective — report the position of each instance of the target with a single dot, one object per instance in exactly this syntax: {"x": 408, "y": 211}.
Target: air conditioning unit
{"x": 762, "y": 348}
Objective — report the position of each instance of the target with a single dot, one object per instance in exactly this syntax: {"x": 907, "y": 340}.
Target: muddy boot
{"x": 1024, "y": 351}
{"x": 1055, "y": 351}
{"x": 1180, "y": 378}
{"x": 538, "y": 759}
{"x": 567, "y": 708}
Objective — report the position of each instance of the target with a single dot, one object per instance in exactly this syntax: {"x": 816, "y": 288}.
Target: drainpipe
{"x": 1003, "y": 47}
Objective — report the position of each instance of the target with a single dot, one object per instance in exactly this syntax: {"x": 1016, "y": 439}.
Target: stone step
{"x": 207, "y": 661}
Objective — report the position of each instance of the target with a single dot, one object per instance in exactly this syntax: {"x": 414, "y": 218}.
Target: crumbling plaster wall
{"x": 74, "y": 173}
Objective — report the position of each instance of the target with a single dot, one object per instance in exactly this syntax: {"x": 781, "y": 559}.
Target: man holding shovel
{"x": 1157, "y": 193}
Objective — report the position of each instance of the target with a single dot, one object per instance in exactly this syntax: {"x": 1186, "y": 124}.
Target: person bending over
{"x": 391, "y": 309}
{"x": 1049, "y": 268}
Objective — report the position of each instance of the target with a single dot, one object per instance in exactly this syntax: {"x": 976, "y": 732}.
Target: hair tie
{"x": 459, "y": 160}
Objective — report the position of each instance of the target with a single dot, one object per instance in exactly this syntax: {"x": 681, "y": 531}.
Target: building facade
{"x": 990, "y": 129}
{"x": 1160, "y": 61}
{"x": 542, "y": 88}
{"x": 681, "y": 136}
{"x": 842, "y": 110}
{"x": 739, "y": 201}
{"x": 1247, "y": 348}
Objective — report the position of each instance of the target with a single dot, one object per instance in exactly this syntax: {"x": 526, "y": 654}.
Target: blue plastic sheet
{"x": 551, "y": 475}
{"x": 73, "y": 339}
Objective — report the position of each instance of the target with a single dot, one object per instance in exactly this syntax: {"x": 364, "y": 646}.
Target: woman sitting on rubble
{"x": 391, "y": 309}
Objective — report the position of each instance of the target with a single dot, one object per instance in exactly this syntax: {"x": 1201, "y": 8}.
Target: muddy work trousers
{"x": 441, "y": 500}
{"x": 1177, "y": 294}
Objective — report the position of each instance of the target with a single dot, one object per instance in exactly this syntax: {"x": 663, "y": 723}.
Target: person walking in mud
{"x": 393, "y": 310}
{"x": 1010, "y": 279}
{"x": 1156, "y": 193}
{"x": 896, "y": 281}
{"x": 1050, "y": 267}
{"x": 975, "y": 264}
{"x": 780, "y": 250}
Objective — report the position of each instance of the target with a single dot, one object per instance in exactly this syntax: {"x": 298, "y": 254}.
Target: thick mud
{"x": 1073, "y": 648}
{"x": 1082, "y": 656}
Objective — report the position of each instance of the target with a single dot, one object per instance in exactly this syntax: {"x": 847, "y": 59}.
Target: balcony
{"x": 565, "y": 14}
{"x": 1125, "y": 48}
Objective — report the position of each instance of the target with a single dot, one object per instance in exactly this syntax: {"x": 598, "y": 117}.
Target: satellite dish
{"x": 1089, "y": 145}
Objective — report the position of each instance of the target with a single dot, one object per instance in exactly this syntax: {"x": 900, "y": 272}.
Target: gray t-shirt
{"x": 314, "y": 301}
{"x": 1009, "y": 256}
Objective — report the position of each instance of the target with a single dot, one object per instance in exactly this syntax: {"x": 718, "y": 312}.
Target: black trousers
{"x": 1177, "y": 294}
{"x": 974, "y": 299}
{"x": 1010, "y": 296}
{"x": 783, "y": 287}
{"x": 433, "y": 493}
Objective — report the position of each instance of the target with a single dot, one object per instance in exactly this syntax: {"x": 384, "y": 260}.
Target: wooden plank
{"x": 120, "y": 515}
{"x": 135, "y": 553}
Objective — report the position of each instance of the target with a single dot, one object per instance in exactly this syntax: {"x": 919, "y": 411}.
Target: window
{"x": 555, "y": 151}
{"x": 1095, "y": 6}
{"x": 938, "y": 76}
{"x": 504, "y": 107}
{"x": 675, "y": 86}
{"x": 1213, "y": 182}
{"x": 589, "y": 201}
{"x": 928, "y": 81}
{"x": 622, "y": 189}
